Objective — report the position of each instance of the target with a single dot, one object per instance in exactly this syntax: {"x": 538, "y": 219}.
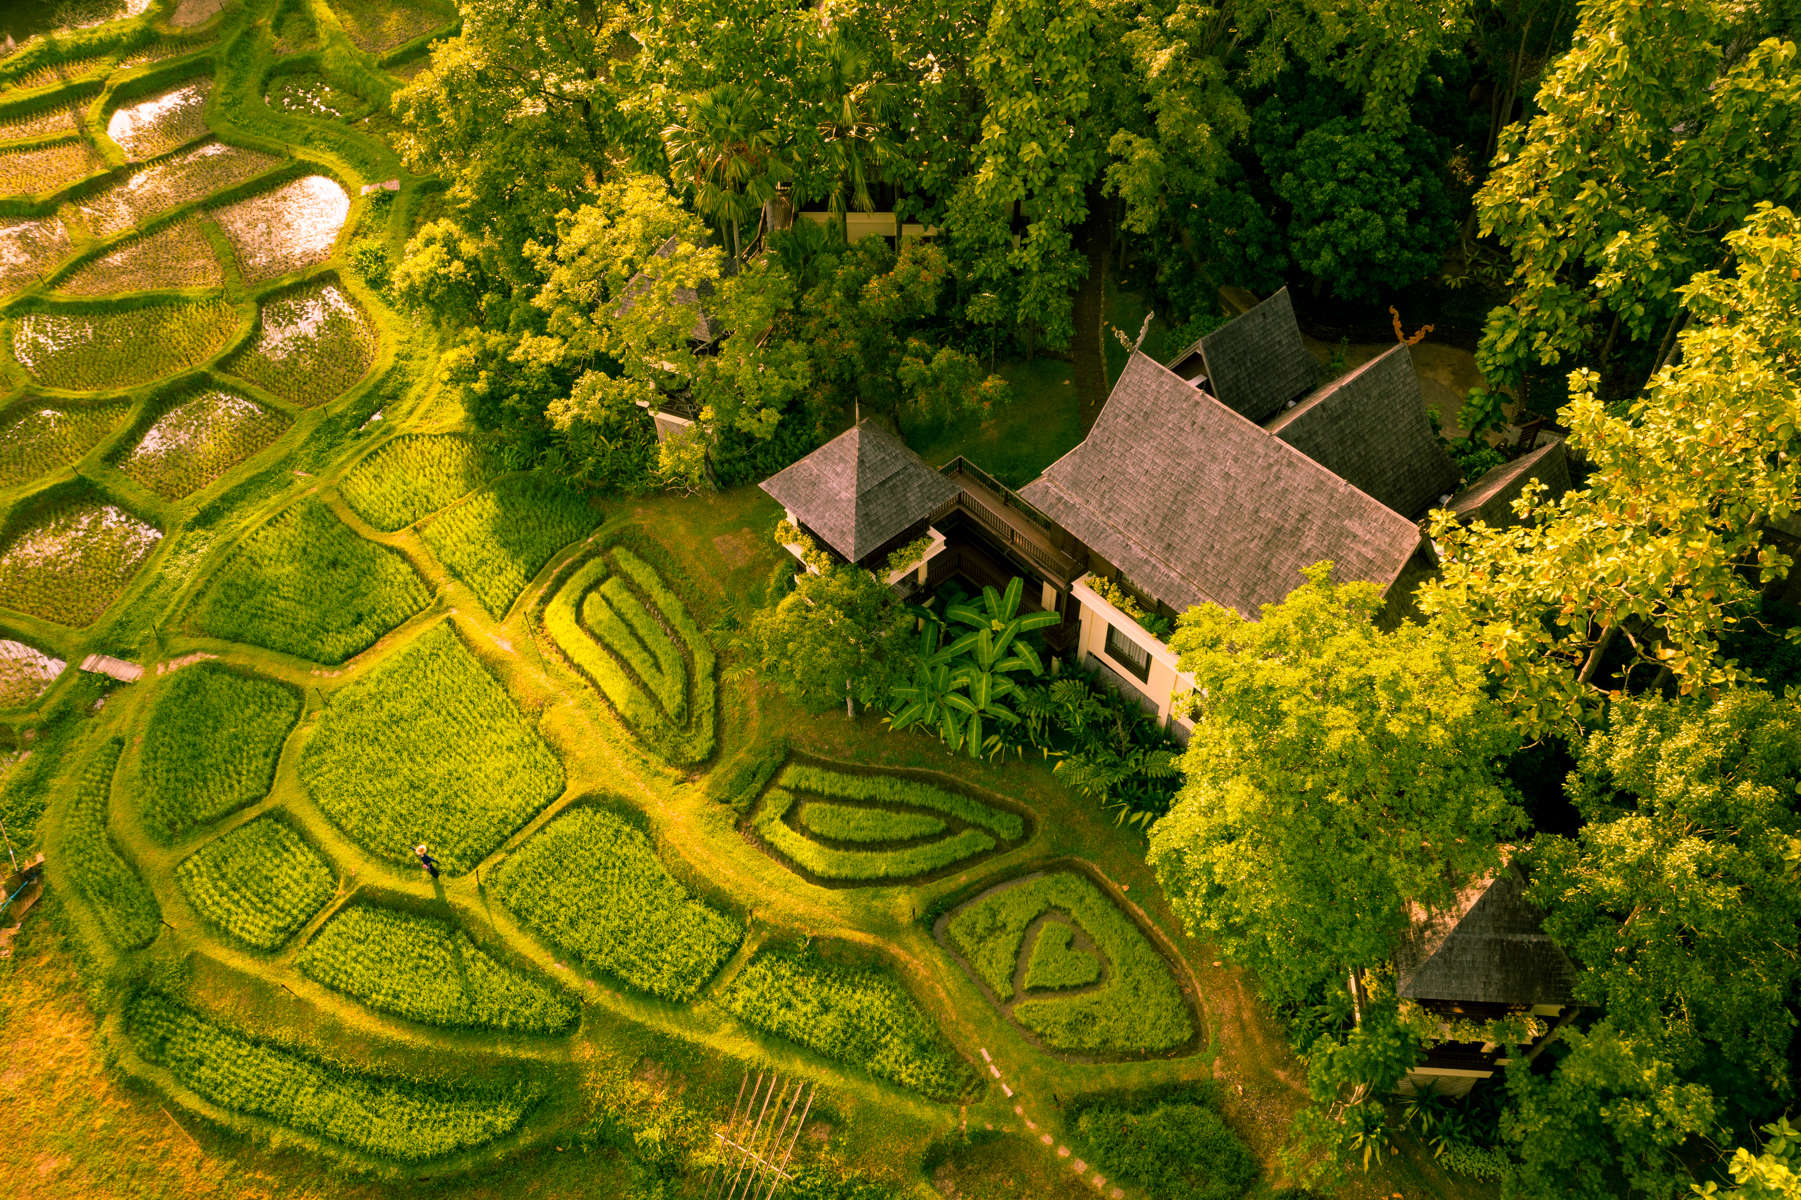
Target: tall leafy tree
{"x": 838, "y": 635}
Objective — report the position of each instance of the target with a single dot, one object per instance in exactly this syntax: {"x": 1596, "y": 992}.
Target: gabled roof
{"x": 1489, "y": 948}
{"x": 1490, "y": 499}
{"x": 860, "y": 489}
{"x": 1192, "y": 502}
{"x": 1255, "y": 363}
{"x": 706, "y": 330}
{"x": 1370, "y": 428}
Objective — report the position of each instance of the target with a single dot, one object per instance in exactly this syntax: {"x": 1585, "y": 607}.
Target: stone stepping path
{"x": 1063, "y": 1152}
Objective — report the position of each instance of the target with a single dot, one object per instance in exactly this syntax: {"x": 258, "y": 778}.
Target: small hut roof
{"x": 706, "y": 330}
{"x": 1490, "y": 499}
{"x": 1369, "y": 427}
{"x": 1255, "y": 363}
{"x": 860, "y": 489}
{"x": 1192, "y": 502}
{"x": 1489, "y": 948}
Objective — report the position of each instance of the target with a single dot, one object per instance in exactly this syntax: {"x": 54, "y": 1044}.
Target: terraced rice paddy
{"x": 65, "y": 71}
{"x": 66, "y": 559}
{"x": 309, "y": 94}
{"x": 199, "y": 439}
{"x": 183, "y": 177}
{"x": 256, "y": 884}
{"x": 29, "y": 247}
{"x": 381, "y": 25}
{"x": 312, "y": 345}
{"x": 191, "y": 14}
{"x": 37, "y": 438}
{"x": 59, "y": 115}
{"x": 25, "y": 672}
{"x": 175, "y": 256}
{"x": 157, "y": 124}
{"x": 116, "y": 348}
{"x": 286, "y": 228}
{"x": 414, "y": 476}
{"x": 47, "y": 168}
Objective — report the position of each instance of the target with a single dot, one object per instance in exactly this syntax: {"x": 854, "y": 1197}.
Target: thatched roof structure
{"x": 1369, "y": 427}
{"x": 1193, "y": 502}
{"x": 706, "y": 330}
{"x": 1490, "y": 948}
{"x": 1255, "y": 363}
{"x": 860, "y": 490}
{"x": 1490, "y": 499}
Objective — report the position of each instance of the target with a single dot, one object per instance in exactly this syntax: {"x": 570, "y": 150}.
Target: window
{"x": 1128, "y": 654}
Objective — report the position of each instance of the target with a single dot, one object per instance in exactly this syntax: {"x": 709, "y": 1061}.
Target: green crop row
{"x": 45, "y": 168}
{"x": 307, "y": 585}
{"x": 32, "y": 246}
{"x": 393, "y": 1118}
{"x": 121, "y": 348}
{"x": 199, "y": 439}
{"x": 70, "y": 557}
{"x": 175, "y": 256}
{"x": 857, "y": 823}
{"x": 258, "y": 883}
{"x": 37, "y": 438}
{"x": 1055, "y": 963}
{"x": 59, "y": 115}
{"x": 592, "y": 885}
{"x": 97, "y": 872}
{"x": 859, "y": 1016}
{"x": 181, "y": 178}
{"x": 211, "y": 746}
{"x": 500, "y": 537}
{"x": 1139, "y": 1008}
{"x": 426, "y": 970}
{"x": 429, "y": 748}
{"x": 832, "y": 864}
{"x": 612, "y": 612}
{"x": 414, "y": 476}
{"x": 312, "y": 345}
{"x": 898, "y": 789}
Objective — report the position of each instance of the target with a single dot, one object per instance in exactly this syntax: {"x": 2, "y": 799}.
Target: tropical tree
{"x": 839, "y": 637}
{"x": 722, "y": 148}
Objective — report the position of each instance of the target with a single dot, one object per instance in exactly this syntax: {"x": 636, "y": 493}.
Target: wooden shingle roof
{"x": 1490, "y": 499}
{"x": 1489, "y": 948}
{"x": 706, "y": 329}
{"x": 860, "y": 489}
{"x": 1255, "y": 363}
{"x": 1193, "y": 502}
{"x": 1369, "y": 427}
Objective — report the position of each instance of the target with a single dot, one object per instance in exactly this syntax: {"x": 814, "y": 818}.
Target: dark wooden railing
{"x": 1007, "y": 517}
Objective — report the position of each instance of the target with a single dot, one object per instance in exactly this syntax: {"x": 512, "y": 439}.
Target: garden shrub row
{"x": 414, "y": 476}
{"x": 592, "y": 885}
{"x": 97, "y": 872}
{"x": 499, "y": 538}
{"x": 1176, "y": 1148}
{"x": 70, "y": 553}
{"x": 1139, "y": 1009}
{"x": 393, "y": 1118}
{"x": 258, "y": 883}
{"x": 306, "y": 584}
{"x": 211, "y": 746}
{"x": 864, "y": 865}
{"x": 422, "y": 969}
{"x": 429, "y": 748}
{"x": 902, "y": 790}
{"x": 623, "y": 629}
{"x": 858, "y": 823}
{"x": 118, "y": 348}
{"x": 860, "y": 1016}
{"x": 37, "y": 438}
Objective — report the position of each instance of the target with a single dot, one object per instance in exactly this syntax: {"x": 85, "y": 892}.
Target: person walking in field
{"x": 427, "y": 861}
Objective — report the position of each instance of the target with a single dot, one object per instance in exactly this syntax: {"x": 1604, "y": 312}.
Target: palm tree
{"x": 723, "y": 147}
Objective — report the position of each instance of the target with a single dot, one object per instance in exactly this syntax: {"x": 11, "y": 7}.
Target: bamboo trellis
{"x": 757, "y": 1143}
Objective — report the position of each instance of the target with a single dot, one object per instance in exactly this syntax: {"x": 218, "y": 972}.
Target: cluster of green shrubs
{"x": 593, "y": 886}
{"x": 1139, "y": 1008}
{"x": 97, "y": 872}
{"x": 258, "y": 883}
{"x": 1177, "y": 1147}
{"x": 211, "y": 746}
{"x": 393, "y": 1118}
{"x": 860, "y": 1016}
{"x": 429, "y": 748}
{"x": 423, "y": 969}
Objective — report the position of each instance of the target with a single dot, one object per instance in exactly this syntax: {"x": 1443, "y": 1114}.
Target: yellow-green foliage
{"x": 390, "y": 1117}
{"x": 175, "y": 256}
{"x": 91, "y": 866}
{"x": 500, "y": 537}
{"x": 306, "y": 584}
{"x": 312, "y": 345}
{"x": 851, "y": 823}
{"x": 258, "y": 883}
{"x": 121, "y": 348}
{"x": 631, "y": 637}
{"x": 860, "y": 1016}
{"x": 593, "y": 886}
{"x": 380, "y": 25}
{"x": 64, "y": 71}
{"x": 46, "y": 168}
{"x": 37, "y": 437}
{"x": 422, "y": 969}
{"x": 1138, "y": 1008}
{"x": 211, "y": 746}
{"x": 199, "y": 439}
{"x": 67, "y": 559}
{"x": 428, "y": 747}
{"x": 25, "y": 672}
{"x": 414, "y": 476}
{"x": 183, "y": 177}
{"x": 864, "y": 864}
